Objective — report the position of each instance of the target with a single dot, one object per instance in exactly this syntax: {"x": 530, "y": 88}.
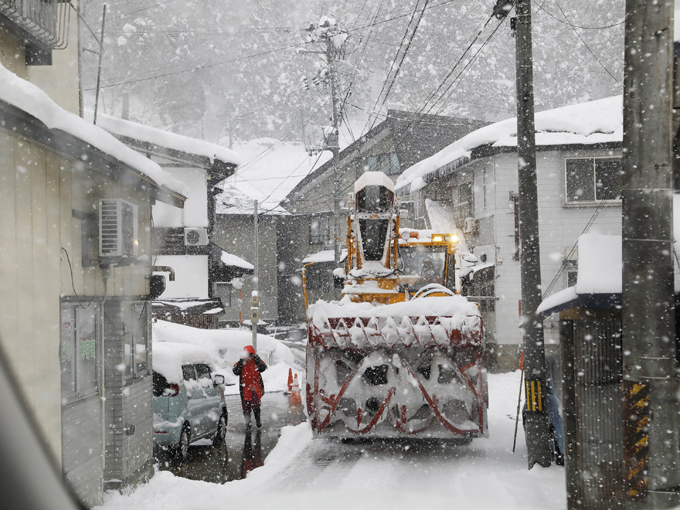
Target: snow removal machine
{"x": 402, "y": 353}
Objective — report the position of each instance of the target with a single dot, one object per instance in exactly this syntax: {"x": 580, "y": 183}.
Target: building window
{"x": 593, "y": 179}
{"x": 484, "y": 186}
{"x": 387, "y": 163}
{"x": 319, "y": 230}
{"x": 79, "y": 350}
{"x": 572, "y": 277}
{"x": 136, "y": 341}
{"x": 223, "y": 291}
{"x": 464, "y": 207}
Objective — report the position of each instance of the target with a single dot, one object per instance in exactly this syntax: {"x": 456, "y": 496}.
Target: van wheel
{"x": 221, "y": 430}
{"x": 182, "y": 449}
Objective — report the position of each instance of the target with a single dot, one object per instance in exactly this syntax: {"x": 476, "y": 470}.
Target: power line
{"x": 603, "y": 27}
{"x": 201, "y": 67}
{"x": 585, "y": 44}
{"x": 391, "y": 78}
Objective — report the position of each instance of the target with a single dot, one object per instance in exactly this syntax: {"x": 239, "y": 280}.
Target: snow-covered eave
{"x": 180, "y": 148}
{"x": 488, "y": 150}
{"x": 218, "y": 169}
{"x": 21, "y": 122}
{"x": 568, "y": 298}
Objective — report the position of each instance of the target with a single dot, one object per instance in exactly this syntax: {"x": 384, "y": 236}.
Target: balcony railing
{"x": 46, "y": 20}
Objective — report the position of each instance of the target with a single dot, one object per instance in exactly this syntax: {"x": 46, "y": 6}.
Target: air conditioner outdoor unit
{"x": 118, "y": 227}
{"x": 195, "y": 237}
{"x": 470, "y": 226}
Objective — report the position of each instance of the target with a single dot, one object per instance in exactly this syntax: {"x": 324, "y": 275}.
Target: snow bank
{"x": 232, "y": 260}
{"x": 32, "y": 100}
{"x": 168, "y": 359}
{"x": 166, "y": 139}
{"x": 589, "y": 123}
{"x": 225, "y": 346}
{"x": 166, "y": 491}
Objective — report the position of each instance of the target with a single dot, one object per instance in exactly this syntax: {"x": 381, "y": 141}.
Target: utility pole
{"x": 255, "y": 295}
{"x": 536, "y": 424}
{"x": 650, "y": 381}
{"x": 99, "y": 66}
{"x": 334, "y": 37}
{"x": 335, "y": 148}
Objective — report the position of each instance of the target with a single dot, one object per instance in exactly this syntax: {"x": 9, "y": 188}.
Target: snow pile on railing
{"x": 589, "y": 123}
{"x": 34, "y": 101}
{"x": 438, "y": 321}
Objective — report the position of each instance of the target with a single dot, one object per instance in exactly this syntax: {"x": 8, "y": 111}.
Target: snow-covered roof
{"x": 35, "y": 102}
{"x": 323, "y": 256}
{"x": 269, "y": 172}
{"x": 232, "y": 260}
{"x": 168, "y": 359}
{"x": 166, "y": 139}
{"x": 589, "y": 123}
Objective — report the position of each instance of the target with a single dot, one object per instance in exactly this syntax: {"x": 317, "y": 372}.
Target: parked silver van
{"x": 188, "y": 398}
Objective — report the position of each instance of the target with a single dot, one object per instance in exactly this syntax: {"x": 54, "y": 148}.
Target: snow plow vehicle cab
{"x": 401, "y": 354}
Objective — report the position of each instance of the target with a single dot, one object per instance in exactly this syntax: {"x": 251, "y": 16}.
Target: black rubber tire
{"x": 181, "y": 451}
{"x": 221, "y": 431}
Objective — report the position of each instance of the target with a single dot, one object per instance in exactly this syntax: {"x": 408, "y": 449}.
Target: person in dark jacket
{"x": 249, "y": 369}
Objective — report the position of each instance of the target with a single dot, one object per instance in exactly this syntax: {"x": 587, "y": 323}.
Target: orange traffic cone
{"x": 295, "y": 396}
{"x": 290, "y": 380}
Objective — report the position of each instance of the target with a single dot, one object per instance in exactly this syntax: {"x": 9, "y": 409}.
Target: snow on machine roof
{"x": 437, "y": 321}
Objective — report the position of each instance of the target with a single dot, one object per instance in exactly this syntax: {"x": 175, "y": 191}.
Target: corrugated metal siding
{"x": 82, "y": 448}
{"x": 128, "y": 406}
{"x": 598, "y": 410}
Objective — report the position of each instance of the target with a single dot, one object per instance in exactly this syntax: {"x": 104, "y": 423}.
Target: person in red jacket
{"x": 249, "y": 369}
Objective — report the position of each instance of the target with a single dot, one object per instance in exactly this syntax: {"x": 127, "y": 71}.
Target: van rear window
{"x": 159, "y": 384}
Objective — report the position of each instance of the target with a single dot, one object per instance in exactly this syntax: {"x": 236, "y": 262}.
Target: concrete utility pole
{"x": 650, "y": 381}
{"x": 335, "y": 148}
{"x": 536, "y": 422}
{"x": 255, "y": 295}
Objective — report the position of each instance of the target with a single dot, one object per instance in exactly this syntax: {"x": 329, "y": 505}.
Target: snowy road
{"x": 303, "y": 473}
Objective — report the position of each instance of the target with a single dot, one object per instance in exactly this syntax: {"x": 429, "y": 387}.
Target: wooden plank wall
{"x": 41, "y": 189}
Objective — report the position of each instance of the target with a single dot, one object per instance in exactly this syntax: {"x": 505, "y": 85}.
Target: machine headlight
{"x": 437, "y": 239}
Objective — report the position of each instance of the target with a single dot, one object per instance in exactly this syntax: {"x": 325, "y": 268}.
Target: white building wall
{"x": 195, "y": 212}
{"x": 560, "y": 226}
{"x": 191, "y": 276}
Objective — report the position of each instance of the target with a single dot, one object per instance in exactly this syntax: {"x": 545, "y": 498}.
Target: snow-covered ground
{"x": 304, "y": 474}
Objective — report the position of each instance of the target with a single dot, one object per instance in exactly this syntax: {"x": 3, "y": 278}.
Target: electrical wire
{"x": 73, "y": 284}
{"x": 585, "y": 44}
{"x": 391, "y": 78}
{"x": 201, "y": 67}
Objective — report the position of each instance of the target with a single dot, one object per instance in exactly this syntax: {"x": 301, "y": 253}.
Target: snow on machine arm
{"x": 402, "y": 353}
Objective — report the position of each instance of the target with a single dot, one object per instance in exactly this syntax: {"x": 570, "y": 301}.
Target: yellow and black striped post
{"x": 535, "y": 396}
{"x": 636, "y": 437}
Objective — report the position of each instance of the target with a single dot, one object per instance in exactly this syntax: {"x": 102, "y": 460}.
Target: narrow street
{"x": 305, "y": 473}
{"x": 241, "y": 452}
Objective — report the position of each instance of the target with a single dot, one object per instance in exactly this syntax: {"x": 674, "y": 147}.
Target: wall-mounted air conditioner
{"x": 118, "y": 229}
{"x": 470, "y": 226}
{"x": 195, "y": 237}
